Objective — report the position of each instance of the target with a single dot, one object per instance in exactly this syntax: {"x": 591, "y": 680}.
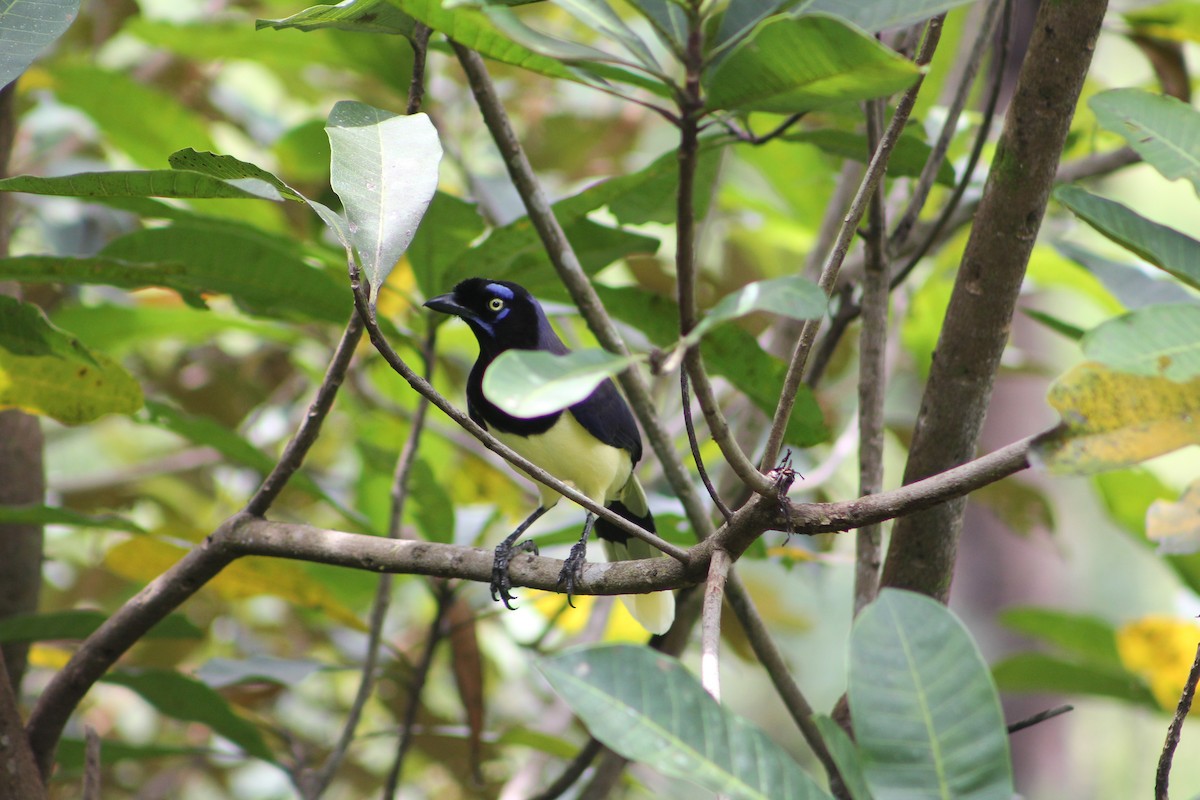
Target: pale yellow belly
{"x": 571, "y": 454}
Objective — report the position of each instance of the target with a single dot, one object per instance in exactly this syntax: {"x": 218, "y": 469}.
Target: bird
{"x": 592, "y": 445}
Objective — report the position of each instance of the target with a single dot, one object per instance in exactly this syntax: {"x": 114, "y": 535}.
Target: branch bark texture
{"x": 978, "y": 319}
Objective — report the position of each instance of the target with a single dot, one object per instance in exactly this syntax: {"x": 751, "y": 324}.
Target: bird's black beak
{"x": 445, "y": 304}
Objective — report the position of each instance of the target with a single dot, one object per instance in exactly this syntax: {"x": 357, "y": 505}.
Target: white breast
{"x": 571, "y": 454}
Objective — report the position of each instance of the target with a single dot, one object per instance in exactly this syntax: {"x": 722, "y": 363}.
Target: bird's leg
{"x": 573, "y": 567}
{"x": 500, "y": 582}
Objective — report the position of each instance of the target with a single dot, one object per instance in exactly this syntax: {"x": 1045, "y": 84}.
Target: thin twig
{"x": 1162, "y": 776}
{"x": 937, "y": 154}
{"x": 569, "y": 270}
{"x": 1041, "y": 716}
{"x": 691, "y": 108}
{"x": 694, "y": 443}
{"x": 573, "y": 771}
{"x": 383, "y": 593}
{"x": 710, "y": 624}
{"x": 981, "y": 138}
{"x": 416, "y": 687}
{"x": 841, "y": 246}
{"x": 872, "y": 380}
{"x": 91, "y": 764}
{"x": 781, "y": 677}
{"x": 748, "y": 136}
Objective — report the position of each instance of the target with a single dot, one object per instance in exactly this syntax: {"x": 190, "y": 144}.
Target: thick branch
{"x": 924, "y": 546}
{"x": 244, "y": 535}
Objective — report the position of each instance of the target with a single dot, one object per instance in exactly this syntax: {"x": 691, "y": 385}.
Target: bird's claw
{"x": 501, "y": 584}
{"x": 572, "y": 570}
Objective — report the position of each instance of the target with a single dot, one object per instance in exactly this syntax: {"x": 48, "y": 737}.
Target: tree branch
{"x": 924, "y": 546}
{"x": 872, "y": 379}
{"x": 710, "y": 623}
{"x": 1162, "y": 776}
{"x": 245, "y": 535}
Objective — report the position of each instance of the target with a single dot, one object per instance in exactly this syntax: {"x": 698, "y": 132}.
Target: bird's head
{"x": 501, "y": 314}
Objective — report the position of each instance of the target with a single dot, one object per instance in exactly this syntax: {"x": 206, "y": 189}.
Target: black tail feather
{"x": 606, "y": 530}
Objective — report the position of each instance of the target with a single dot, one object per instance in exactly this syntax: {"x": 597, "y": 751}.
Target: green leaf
{"x": 82, "y": 623}
{"x": 741, "y": 16}
{"x": 27, "y": 27}
{"x": 1130, "y": 284}
{"x": 1163, "y": 130}
{"x": 790, "y": 65}
{"x": 385, "y": 170}
{"x": 119, "y": 106}
{"x": 1084, "y": 636}
{"x": 103, "y": 271}
{"x": 668, "y": 20}
{"x": 142, "y": 183}
{"x": 907, "y": 160}
{"x": 532, "y": 383}
{"x": 449, "y": 228}
{"x": 878, "y": 15}
{"x": 926, "y": 715}
{"x": 264, "y": 273}
{"x": 515, "y": 252}
{"x": 729, "y": 352}
{"x": 1128, "y": 495}
{"x": 69, "y": 758}
{"x": 1055, "y": 324}
{"x": 845, "y": 756}
{"x": 52, "y": 515}
{"x": 229, "y": 169}
{"x": 648, "y": 708}
{"x": 471, "y": 28}
{"x": 432, "y": 507}
{"x": 1042, "y": 673}
{"x": 116, "y": 329}
{"x": 45, "y": 370}
{"x": 364, "y": 16}
{"x": 1163, "y": 247}
{"x": 187, "y": 699}
{"x": 597, "y": 15}
{"x": 1175, "y": 20}
{"x": 210, "y": 433}
{"x": 1157, "y": 340}
{"x": 793, "y": 297}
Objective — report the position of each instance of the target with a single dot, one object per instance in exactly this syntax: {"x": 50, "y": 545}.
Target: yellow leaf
{"x": 142, "y": 559}
{"x": 1114, "y": 419}
{"x": 1161, "y": 650}
{"x": 1176, "y": 526}
{"x": 47, "y": 657}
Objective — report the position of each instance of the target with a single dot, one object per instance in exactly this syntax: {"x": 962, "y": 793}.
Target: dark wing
{"x": 605, "y": 415}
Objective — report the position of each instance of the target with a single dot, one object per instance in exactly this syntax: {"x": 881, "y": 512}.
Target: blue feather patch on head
{"x": 500, "y": 290}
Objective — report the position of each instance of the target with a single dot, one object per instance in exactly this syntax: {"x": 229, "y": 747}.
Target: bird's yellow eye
{"x": 495, "y": 304}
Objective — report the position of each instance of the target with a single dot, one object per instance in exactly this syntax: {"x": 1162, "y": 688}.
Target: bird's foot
{"x": 572, "y": 570}
{"x": 501, "y": 585}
